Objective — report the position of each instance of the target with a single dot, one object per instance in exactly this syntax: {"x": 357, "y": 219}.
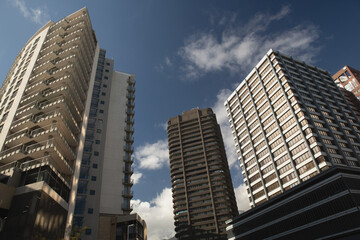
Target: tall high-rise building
{"x": 104, "y": 187}
{"x": 203, "y": 194}
{"x": 66, "y": 135}
{"x": 348, "y": 78}
{"x": 290, "y": 122}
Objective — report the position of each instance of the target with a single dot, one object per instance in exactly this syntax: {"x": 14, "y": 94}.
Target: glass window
{"x": 88, "y": 231}
{"x": 92, "y": 192}
{"x": 95, "y": 165}
{"x": 93, "y": 178}
{"x": 90, "y": 210}
{"x": 96, "y": 153}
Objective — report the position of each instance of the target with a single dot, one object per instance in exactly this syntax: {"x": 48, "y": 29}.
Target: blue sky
{"x": 188, "y": 54}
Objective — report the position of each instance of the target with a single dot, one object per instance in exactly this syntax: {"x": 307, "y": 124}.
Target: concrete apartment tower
{"x": 104, "y": 183}
{"x": 348, "y": 78}
{"x": 203, "y": 194}
{"x": 290, "y": 122}
{"x": 66, "y": 128}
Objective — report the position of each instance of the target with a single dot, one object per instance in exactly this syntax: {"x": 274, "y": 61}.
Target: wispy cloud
{"x": 136, "y": 177}
{"x": 240, "y": 48}
{"x": 158, "y": 215}
{"x": 223, "y": 121}
{"x": 242, "y": 199}
{"x": 152, "y": 155}
{"x": 37, "y": 15}
{"x": 165, "y": 63}
{"x": 168, "y": 62}
{"x": 162, "y": 125}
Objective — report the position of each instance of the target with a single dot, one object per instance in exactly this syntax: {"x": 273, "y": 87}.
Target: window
{"x": 90, "y": 210}
{"x": 98, "y": 130}
{"x": 104, "y": 85}
{"x": 88, "y": 231}
{"x": 95, "y": 165}
{"x": 96, "y": 153}
{"x": 101, "y": 111}
{"x": 103, "y": 94}
{"x": 92, "y": 192}
{"x": 106, "y": 70}
{"x": 102, "y": 102}
{"x": 97, "y": 142}
{"x": 106, "y": 78}
{"x": 108, "y": 64}
{"x": 93, "y": 178}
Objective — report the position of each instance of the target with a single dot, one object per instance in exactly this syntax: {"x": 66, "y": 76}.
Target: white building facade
{"x": 290, "y": 122}
{"x": 56, "y": 117}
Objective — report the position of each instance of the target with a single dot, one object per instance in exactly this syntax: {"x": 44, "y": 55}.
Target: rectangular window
{"x": 88, "y": 231}
{"x": 104, "y": 85}
{"x": 102, "y": 102}
{"x": 103, "y": 94}
{"x": 90, "y": 210}
{"x": 96, "y": 153}
{"x": 92, "y": 192}
{"x": 106, "y": 70}
{"x": 97, "y": 142}
{"x": 93, "y": 178}
{"x": 95, "y": 165}
{"x": 101, "y": 111}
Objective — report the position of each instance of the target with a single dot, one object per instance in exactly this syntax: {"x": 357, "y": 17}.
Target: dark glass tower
{"x": 203, "y": 193}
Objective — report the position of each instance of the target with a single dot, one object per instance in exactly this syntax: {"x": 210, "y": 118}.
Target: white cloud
{"x": 37, "y": 15}
{"x": 168, "y": 62}
{"x": 242, "y": 199}
{"x": 136, "y": 177}
{"x": 223, "y": 121}
{"x": 162, "y": 125}
{"x": 158, "y": 214}
{"x": 240, "y": 48}
{"x": 153, "y": 155}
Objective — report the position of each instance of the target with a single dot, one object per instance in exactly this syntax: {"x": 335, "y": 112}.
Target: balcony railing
{"x": 128, "y": 182}
{"x": 128, "y": 194}
{"x": 128, "y": 149}
{"x": 128, "y": 169}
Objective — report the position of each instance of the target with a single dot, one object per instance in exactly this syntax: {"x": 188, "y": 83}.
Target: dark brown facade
{"x": 348, "y": 78}
{"x": 203, "y": 193}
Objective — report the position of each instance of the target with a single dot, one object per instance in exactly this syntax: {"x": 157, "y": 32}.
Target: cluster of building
{"x": 66, "y": 122}
{"x": 297, "y": 134}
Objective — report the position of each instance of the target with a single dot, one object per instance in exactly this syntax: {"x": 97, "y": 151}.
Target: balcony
{"x": 130, "y": 111}
{"x": 129, "y": 160}
{"x": 129, "y": 120}
{"x": 131, "y": 81}
{"x": 43, "y": 128}
{"x": 59, "y": 152}
{"x": 127, "y": 208}
{"x": 128, "y": 149}
{"x": 129, "y": 182}
{"x": 129, "y": 139}
{"x": 130, "y": 96}
{"x": 131, "y": 89}
{"x": 129, "y": 170}
{"x": 127, "y": 194}
{"x": 129, "y": 129}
